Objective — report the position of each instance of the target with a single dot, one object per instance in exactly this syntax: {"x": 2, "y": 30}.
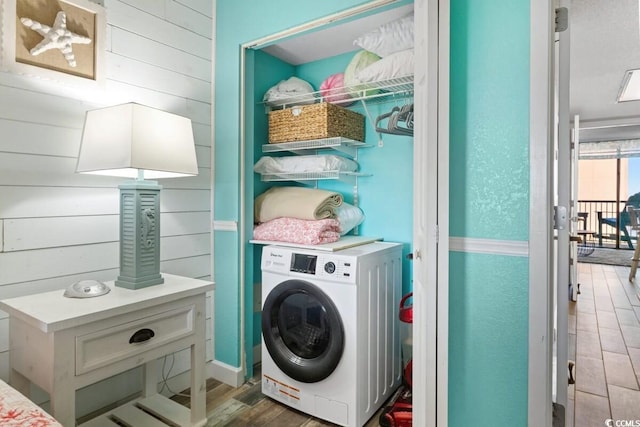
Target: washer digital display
{"x": 303, "y": 263}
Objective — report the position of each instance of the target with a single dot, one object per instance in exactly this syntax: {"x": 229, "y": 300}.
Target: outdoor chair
{"x": 622, "y": 225}
{"x": 624, "y": 221}
{"x": 634, "y": 218}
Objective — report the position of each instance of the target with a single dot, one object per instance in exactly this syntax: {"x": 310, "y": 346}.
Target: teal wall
{"x": 489, "y": 199}
{"x": 489, "y": 196}
{"x": 489, "y": 116}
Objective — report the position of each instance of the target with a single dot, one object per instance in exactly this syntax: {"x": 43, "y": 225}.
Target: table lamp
{"x": 135, "y": 141}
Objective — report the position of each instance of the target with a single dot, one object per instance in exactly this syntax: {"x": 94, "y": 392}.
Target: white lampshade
{"x": 131, "y": 140}
{"x": 124, "y": 139}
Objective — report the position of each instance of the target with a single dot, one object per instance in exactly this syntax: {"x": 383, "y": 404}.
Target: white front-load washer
{"x": 330, "y": 329}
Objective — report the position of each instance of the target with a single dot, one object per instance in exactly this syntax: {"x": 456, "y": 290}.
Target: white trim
{"x": 212, "y": 178}
{"x": 489, "y": 246}
{"x": 317, "y": 23}
{"x": 242, "y": 205}
{"x": 563, "y": 192}
{"x": 220, "y": 225}
{"x": 231, "y": 375}
{"x": 431, "y": 213}
{"x": 540, "y": 201}
{"x": 442, "y": 12}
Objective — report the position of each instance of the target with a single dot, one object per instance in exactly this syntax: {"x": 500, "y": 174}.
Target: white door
{"x": 563, "y": 212}
{"x": 549, "y": 240}
{"x": 574, "y": 224}
{"x": 542, "y": 131}
{"x": 430, "y": 223}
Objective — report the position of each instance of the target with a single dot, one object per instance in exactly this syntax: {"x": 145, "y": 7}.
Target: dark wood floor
{"x": 247, "y": 406}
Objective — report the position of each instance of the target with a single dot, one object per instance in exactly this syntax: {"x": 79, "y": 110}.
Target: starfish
{"x": 56, "y": 37}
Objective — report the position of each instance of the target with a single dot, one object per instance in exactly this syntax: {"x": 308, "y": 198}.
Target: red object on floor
{"x": 399, "y": 413}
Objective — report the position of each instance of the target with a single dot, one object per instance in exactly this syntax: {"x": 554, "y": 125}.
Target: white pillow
{"x": 361, "y": 60}
{"x": 396, "y": 65}
{"x": 304, "y": 164}
{"x": 388, "y": 38}
{"x": 349, "y": 217}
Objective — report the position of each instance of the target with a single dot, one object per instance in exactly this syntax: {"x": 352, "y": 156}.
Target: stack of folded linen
{"x": 303, "y": 215}
{"x": 296, "y": 202}
{"x": 303, "y": 231}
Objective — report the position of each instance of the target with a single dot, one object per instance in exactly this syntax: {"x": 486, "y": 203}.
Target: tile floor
{"x": 604, "y": 342}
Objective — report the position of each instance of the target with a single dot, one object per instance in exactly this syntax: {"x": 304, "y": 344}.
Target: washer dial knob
{"x": 330, "y": 267}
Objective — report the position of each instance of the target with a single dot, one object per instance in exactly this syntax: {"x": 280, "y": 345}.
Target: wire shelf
{"x": 309, "y": 176}
{"x": 312, "y": 144}
{"x": 365, "y": 91}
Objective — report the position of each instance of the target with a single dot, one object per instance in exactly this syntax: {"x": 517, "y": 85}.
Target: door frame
{"x": 431, "y": 240}
{"x": 431, "y": 220}
{"x": 541, "y": 128}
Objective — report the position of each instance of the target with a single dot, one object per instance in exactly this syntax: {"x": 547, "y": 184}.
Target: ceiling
{"x": 333, "y": 40}
{"x": 605, "y": 43}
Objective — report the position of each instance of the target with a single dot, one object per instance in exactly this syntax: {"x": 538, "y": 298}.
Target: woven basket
{"x": 315, "y": 121}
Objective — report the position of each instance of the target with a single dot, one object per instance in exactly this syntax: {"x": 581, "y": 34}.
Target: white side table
{"x": 63, "y": 344}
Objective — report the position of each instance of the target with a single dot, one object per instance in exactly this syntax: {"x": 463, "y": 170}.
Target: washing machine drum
{"x": 302, "y": 331}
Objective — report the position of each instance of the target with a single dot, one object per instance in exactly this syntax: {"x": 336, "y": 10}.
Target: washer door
{"x": 302, "y": 331}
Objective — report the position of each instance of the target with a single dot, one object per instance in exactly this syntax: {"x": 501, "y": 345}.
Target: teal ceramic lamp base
{"x": 139, "y": 235}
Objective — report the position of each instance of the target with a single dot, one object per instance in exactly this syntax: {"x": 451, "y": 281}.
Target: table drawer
{"x": 107, "y": 346}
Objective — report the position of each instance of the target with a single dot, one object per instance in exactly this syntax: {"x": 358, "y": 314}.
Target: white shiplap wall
{"x": 57, "y": 227}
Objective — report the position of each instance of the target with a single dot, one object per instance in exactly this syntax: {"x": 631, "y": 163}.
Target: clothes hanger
{"x": 394, "y": 125}
{"x": 382, "y": 117}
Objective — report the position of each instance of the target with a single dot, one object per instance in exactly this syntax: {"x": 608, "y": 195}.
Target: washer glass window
{"x": 302, "y": 330}
{"x": 303, "y": 325}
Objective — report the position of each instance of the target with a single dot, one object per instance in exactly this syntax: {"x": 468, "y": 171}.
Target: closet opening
{"x": 381, "y": 185}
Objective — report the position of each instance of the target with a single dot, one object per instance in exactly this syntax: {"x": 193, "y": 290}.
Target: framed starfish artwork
{"x": 60, "y": 40}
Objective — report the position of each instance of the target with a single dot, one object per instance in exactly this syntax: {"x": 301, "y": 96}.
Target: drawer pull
{"x": 141, "y": 336}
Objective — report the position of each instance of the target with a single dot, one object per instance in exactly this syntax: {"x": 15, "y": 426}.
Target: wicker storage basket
{"x": 315, "y": 121}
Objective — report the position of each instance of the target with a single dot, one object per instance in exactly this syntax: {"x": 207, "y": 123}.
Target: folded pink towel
{"x": 294, "y": 230}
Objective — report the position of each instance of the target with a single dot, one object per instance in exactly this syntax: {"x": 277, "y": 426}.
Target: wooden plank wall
{"x": 57, "y": 227}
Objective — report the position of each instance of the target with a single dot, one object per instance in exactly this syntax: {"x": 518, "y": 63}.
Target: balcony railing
{"x": 589, "y": 214}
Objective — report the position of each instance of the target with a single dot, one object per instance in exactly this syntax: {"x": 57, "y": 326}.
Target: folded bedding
{"x": 290, "y": 90}
{"x": 349, "y": 217}
{"x": 294, "y": 230}
{"x": 296, "y": 202}
{"x": 304, "y": 164}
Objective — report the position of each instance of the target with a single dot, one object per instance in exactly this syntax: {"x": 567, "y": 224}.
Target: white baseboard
{"x": 489, "y": 246}
{"x": 231, "y": 375}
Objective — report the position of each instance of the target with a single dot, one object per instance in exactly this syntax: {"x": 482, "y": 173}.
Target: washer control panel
{"x": 294, "y": 262}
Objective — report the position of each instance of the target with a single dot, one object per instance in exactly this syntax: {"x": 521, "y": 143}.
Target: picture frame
{"x": 25, "y": 51}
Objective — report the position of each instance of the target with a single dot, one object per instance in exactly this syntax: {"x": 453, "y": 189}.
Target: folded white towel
{"x": 304, "y": 164}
